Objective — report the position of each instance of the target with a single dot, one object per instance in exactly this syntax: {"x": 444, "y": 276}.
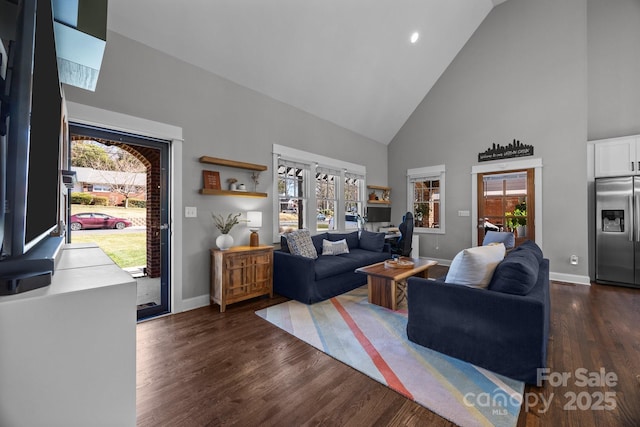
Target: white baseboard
{"x": 570, "y": 278}
{"x": 560, "y": 277}
{"x": 203, "y": 300}
{"x": 195, "y": 302}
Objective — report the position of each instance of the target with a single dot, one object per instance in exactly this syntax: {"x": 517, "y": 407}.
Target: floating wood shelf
{"x": 232, "y": 163}
{"x": 380, "y": 200}
{"x": 211, "y": 192}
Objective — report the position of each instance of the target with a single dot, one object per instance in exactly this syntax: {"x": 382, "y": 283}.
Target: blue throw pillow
{"x": 317, "y": 241}
{"x": 351, "y": 238}
{"x": 371, "y": 241}
{"x": 517, "y": 274}
{"x": 505, "y": 237}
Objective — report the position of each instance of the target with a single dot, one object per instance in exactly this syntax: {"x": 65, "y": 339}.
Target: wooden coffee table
{"x": 384, "y": 282}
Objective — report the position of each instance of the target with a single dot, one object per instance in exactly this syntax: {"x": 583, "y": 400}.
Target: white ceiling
{"x": 346, "y": 61}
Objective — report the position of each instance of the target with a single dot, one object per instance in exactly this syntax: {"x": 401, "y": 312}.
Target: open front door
{"x": 506, "y": 203}
{"x": 126, "y": 176}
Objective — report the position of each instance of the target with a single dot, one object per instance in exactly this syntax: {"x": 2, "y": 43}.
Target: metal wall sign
{"x": 499, "y": 152}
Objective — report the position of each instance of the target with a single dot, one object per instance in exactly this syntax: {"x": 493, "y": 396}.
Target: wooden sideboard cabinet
{"x": 240, "y": 273}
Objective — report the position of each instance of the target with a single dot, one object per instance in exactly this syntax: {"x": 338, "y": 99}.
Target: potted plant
{"x": 232, "y": 184}
{"x": 224, "y": 241}
{"x": 517, "y": 219}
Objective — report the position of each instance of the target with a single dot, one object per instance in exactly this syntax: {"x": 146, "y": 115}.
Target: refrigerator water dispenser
{"x": 613, "y": 221}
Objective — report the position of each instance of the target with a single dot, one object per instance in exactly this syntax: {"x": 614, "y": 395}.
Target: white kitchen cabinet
{"x": 617, "y": 156}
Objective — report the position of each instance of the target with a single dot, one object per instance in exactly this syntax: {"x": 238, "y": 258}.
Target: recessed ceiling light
{"x": 414, "y": 37}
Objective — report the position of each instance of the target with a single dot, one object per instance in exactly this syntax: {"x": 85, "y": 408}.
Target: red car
{"x": 97, "y": 220}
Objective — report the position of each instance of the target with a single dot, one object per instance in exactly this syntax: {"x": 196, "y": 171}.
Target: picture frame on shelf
{"x": 211, "y": 180}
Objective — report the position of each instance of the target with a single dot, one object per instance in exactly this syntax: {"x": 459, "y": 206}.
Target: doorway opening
{"x": 506, "y": 202}
{"x": 121, "y": 202}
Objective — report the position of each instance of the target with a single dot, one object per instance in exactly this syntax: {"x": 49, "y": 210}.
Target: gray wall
{"x": 522, "y": 75}
{"x": 613, "y": 34}
{"x": 614, "y": 68}
{"x": 219, "y": 119}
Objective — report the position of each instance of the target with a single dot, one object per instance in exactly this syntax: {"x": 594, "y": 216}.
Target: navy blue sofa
{"x": 504, "y": 328}
{"x": 312, "y": 280}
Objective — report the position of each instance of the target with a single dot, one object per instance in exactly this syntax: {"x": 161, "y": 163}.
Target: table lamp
{"x": 254, "y": 222}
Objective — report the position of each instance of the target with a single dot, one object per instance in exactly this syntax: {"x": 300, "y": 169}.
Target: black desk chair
{"x": 402, "y": 246}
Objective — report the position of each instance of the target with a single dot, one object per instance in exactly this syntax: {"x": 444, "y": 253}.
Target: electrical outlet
{"x": 190, "y": 211}
{"x": 573, "y": 260}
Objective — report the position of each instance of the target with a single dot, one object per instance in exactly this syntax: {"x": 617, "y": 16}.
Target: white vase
{"x": 224, "y": 241}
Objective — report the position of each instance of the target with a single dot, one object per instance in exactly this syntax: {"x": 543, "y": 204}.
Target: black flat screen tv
{"x": 378, "y": 214}
{"x": 31, "y": 173}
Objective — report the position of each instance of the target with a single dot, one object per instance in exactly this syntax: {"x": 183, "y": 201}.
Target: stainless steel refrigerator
{"x": 618, "y": 231}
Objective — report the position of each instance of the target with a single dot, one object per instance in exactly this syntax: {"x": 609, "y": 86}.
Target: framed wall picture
{"x": 211, "y": 180}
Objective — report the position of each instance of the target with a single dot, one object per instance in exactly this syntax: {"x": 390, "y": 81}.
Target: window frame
{"x": 359, "y": 201}
{"x": 437, "y": 172}
{"x": 336, "y": 178}
{"x": 316, "y": 162}
{"x": 100, "y": 188}
{"x": 302, "y": 198}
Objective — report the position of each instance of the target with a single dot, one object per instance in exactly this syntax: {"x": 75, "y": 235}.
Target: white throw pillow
{"x": 334, "y": 248}
{"x": 475, "y": 266}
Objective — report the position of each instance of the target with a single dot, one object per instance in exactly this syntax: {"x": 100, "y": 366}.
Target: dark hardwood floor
{"x": 206, "y": 368}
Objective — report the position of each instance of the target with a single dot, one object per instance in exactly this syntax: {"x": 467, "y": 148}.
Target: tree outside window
{"x": 117, "y": 170}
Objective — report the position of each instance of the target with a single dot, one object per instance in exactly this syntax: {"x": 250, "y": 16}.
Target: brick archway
{"x": 150, "y": 158}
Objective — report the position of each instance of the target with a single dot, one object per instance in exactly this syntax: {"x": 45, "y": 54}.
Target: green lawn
{"x": 126, "y": 249}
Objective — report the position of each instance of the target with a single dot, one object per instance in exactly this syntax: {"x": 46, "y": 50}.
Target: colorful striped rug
{"x": 374, "y": 341}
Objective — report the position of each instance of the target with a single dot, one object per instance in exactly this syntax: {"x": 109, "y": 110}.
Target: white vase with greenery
{"x": 224, "y": 241}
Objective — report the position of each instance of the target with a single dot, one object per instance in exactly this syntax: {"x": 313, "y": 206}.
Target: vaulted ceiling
{"x": 346, "y": 61}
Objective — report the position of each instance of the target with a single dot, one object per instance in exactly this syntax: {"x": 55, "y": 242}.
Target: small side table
{"x": 240, "y": 273}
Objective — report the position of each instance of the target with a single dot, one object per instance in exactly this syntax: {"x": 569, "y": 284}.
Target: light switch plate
{"x": 190, "y": 211}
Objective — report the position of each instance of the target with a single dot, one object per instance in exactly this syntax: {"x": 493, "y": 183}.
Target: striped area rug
{"x": 374, "y": 341}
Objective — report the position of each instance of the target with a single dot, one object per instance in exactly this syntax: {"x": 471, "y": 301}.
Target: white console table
{"x": 68, "y": 350}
